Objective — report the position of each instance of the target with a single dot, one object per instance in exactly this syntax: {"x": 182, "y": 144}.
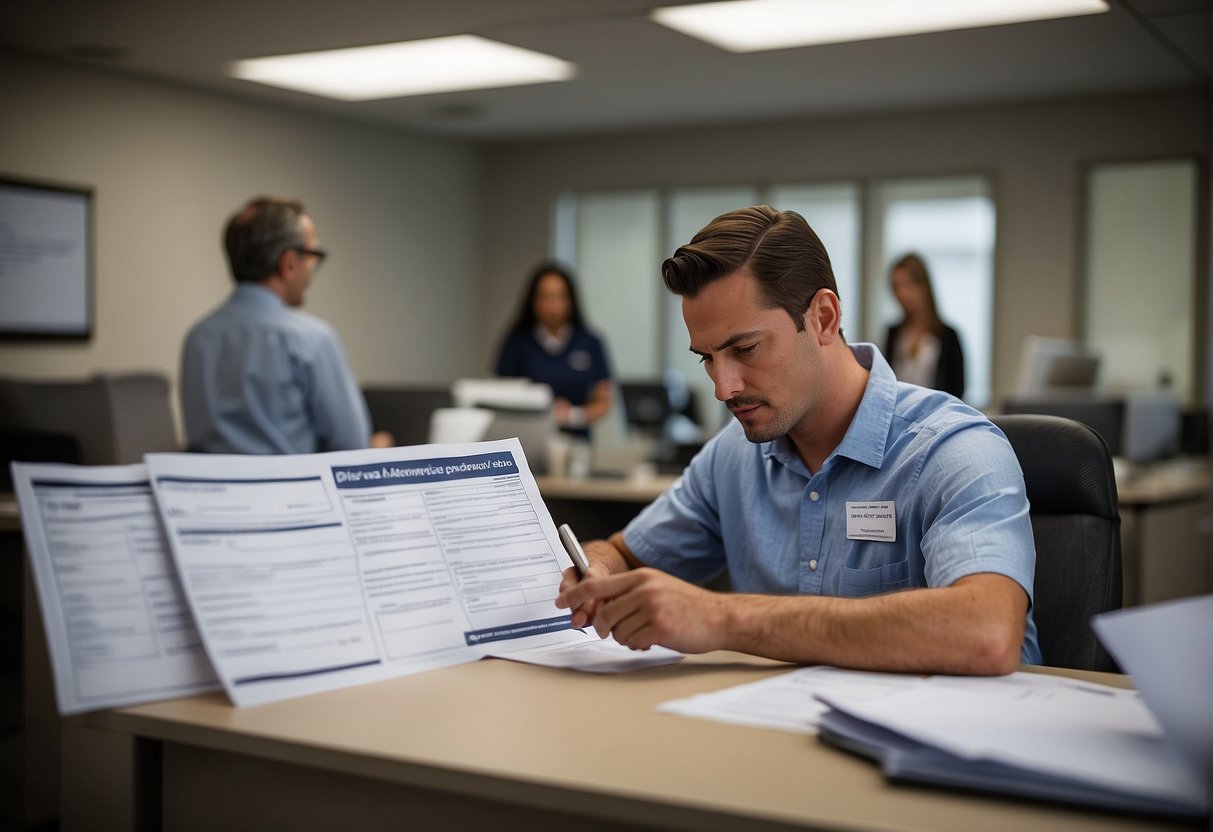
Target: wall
{"x": 399, "y": 214}
{"x": 1034, "y": 153}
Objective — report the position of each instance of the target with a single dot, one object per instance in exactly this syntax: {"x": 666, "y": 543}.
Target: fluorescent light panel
{"x": 395, "y": 70}
{"x": 755, "y": 25}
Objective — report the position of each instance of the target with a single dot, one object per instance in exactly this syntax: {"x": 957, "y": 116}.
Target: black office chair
{"x": 1072, "y": 491}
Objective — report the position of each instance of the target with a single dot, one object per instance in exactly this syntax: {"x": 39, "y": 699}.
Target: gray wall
{"x": 399, "y": 214}
{"x": 1034, "y": 152}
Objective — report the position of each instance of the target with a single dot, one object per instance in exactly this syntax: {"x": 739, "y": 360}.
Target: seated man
{"x": 863, "y": 522}
{"x": 258, "y": 376}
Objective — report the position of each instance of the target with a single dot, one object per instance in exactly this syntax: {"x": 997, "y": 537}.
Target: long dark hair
{"x": 525, "y": 320}
{"x": 916, "y": 268}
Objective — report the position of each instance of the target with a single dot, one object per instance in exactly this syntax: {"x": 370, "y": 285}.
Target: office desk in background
{"x": 597, "y": 506}
{"x": 499, "y": 745}
{"x": 1166, "y": 522}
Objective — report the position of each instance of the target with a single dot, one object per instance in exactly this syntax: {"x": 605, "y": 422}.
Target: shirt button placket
{"x": 812, "y": 526}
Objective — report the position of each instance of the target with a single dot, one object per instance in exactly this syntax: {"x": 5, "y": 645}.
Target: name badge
{"x": 871, "y": 521}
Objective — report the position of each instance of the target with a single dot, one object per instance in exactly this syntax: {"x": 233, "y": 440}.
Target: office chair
{"x": 1076, "y": 525}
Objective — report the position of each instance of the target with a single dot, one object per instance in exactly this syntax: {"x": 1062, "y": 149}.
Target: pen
{"x": 573, "y": 547}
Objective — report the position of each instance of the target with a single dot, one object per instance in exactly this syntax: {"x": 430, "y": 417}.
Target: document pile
{"x": 1060, "y": 739}
{"x": 284, "y": 576}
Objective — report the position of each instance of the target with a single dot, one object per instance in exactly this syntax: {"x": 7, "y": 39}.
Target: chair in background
{"x": 113, "y": 418}
{"x": 141, "y": 412}
{"x": 1076, "y": 525}
{"x": 405, "y": 411}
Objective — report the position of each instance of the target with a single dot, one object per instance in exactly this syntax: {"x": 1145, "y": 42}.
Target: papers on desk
{"x": 116, "y": 620}
{"x": 1026, "y": 734}
{"x": 302, "y": 573}
{"x": 591, "y": 654}
{"x": 788, "y": 701}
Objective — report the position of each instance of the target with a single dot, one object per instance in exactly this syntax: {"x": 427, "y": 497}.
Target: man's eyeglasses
{"x": 318, "y": 253}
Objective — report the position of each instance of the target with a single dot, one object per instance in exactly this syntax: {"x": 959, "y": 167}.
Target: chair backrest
{"x": 78, "y": 408}
{"x": 142, "y": 413}
{"x": 1076, "y": 525}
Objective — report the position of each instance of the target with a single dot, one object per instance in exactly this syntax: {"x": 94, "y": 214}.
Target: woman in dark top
{"x": 922, "y": 349}
{"x": 550, "y": 343}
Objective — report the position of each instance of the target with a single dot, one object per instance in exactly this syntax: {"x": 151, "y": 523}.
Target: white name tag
{"x": 871, "y": 521}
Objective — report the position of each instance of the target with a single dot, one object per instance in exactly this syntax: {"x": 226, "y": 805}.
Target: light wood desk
{"x": 497, "y": 745}
{"x": 595, "y": 507}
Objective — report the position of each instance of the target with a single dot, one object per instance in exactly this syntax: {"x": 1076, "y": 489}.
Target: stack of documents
{"x": 1025, "y": 734}
{"x": 289, "y": 575}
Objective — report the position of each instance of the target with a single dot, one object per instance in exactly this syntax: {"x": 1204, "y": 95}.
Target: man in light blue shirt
{"x": 258, "y": 376}
{"x": 862, "y": 522}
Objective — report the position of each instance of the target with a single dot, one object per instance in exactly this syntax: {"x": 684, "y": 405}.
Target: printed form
{"x": 117, "y": 625}
{"x": 309, "y": 573}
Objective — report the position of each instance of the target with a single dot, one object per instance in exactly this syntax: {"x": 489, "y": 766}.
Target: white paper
{"x": 117, "y": 625}
{"x": 787, "y": 701}
{"x": 309, "y": 573}
{"x": 1086, "y": 732}
{"x": 587, "y": 652}
{"x": 1168, "y": 650}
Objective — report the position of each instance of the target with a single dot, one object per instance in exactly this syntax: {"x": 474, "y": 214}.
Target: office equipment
{"x": 515, "y": 758}
{"x": 521, "y": 408}
{"x": 115, "y": 418}
{"x": 647, "y": 405}
{"x": 1076, "y": 526}
{"x": 1049, "y": 365}
{"x": 405, "y": 410}
{"x": 1022, "y": 736}
{"x": 46, "y": 260}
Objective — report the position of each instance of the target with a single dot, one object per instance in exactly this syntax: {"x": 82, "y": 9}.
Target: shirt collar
{"x": 248, "y": 291}
{"x": 867, "y": 437}
{"x": 553, "y": 344}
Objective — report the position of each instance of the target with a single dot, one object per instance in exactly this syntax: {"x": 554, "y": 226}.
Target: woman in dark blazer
{"x": 922, "y": 349}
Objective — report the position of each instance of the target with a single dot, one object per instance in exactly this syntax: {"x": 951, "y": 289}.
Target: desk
{"x": 498, "y": 745}
{"x": 596, "y": 507}
{"x": 1165, "y": 526}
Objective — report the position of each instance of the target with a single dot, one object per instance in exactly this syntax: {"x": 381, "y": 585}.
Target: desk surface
{"x": 624, "y": 490}
{"x": 10, "y": 514}
{"x": 1164, "y": 482}
{"x": 567, "y": 741}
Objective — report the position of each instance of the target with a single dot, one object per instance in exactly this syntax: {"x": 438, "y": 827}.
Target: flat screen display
{"x": 46, "y": 260}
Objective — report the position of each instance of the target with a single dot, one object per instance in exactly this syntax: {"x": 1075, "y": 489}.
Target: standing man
{"x": 863, "y": 522}
{"x": 257, "y": 375}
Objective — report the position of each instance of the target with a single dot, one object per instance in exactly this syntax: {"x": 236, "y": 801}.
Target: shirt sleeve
{"x": 680, "y": 532}
{"x": 338, "y": 408}
{"x": 978, "y": 510}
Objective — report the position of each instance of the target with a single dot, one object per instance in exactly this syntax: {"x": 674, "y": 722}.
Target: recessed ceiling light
{"x": 755, "y": 25}
{"x": 395, "y": 70}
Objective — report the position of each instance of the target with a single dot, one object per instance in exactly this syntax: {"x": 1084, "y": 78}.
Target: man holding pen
{"x": 862, "y": 522}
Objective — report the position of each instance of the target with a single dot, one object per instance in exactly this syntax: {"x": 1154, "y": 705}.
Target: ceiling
{"x": 632, "y": 73}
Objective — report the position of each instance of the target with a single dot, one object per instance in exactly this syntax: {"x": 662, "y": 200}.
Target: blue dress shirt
{"x": 955, "y": 485}
{"x": 258, "y": 377}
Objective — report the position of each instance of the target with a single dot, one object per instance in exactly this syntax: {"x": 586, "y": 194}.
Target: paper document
{"x": 1078, "y": 735}
{"x": 592, "y": 655}
{"x": 787, "y": 701}
{"x": 309, "y": 573}
{"x": 1168, "y": 650}
{"x": 117, "y": 625}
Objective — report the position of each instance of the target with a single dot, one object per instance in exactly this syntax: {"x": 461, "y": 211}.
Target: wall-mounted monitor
{"x": 46, "y": 260}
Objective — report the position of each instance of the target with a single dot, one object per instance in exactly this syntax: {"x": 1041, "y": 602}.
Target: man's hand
{"x": 644, "y": 607}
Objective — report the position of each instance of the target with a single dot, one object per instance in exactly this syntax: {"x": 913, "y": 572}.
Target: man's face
{"x": 299, "y": 266}
{"x": 766, "y": 371}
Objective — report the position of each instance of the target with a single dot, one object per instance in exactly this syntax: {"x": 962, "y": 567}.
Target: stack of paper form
{"x": 289, "y": 575}
{"x": 1024, "y": 734}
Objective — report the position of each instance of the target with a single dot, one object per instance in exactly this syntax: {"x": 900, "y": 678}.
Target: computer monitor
{"x": 646, "y": 404}
{"x": 1049, "y": 365}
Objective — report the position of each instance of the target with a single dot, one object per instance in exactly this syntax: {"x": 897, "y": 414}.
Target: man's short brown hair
{"x": 258, "y": 234}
